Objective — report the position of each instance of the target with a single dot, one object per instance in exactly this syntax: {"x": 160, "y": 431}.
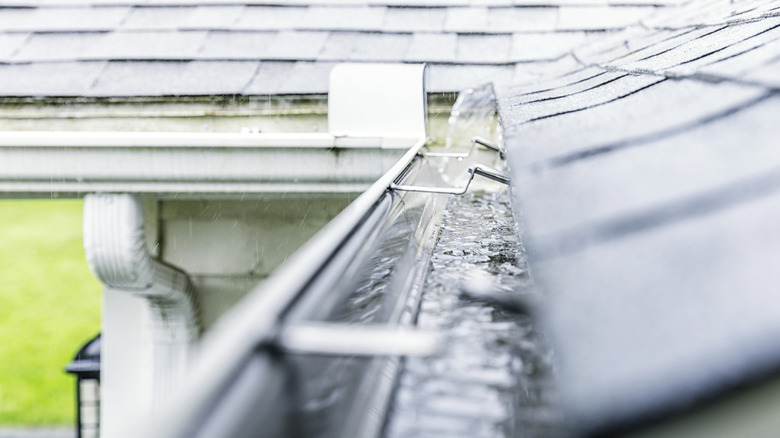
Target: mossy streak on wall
{"x": 188, "y": 114}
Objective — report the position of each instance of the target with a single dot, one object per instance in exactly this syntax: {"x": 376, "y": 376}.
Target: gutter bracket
{"x": 333, "y": 339}
{"x": 487, "y": 144}
{"x": 478, "y": 169}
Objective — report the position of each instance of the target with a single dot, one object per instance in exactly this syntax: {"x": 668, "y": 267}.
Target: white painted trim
{"x": 64, "y": 164}
{"x": 116, "y": 250}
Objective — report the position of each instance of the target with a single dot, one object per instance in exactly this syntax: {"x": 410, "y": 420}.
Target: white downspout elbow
{"x": 116, "y": 250}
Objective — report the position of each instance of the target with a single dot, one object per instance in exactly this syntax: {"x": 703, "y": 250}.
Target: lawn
{"x": 49, "y": 306}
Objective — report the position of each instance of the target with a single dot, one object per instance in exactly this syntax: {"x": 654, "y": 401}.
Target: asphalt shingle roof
{"x": 647, "y": 177}
{"x": 182, "y": 37}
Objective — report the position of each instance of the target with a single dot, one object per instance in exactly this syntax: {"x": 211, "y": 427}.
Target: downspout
{"x": 116, "y": 250}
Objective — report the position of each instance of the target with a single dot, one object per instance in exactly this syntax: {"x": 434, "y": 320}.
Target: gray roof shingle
{"x": 432, "y": 47}
{"x": 541, "y": 46}
{"x": 366, "y": 18}
{"x": 493, "y": 49}
{"x": 346, "y": 46}
{"x": 148, "y": 45}
{"x": 58, "y": 47}
{"x": 213, "y": 17}
{"x": 291, "y": 78}
{"x": 173, "y": 78}
{"x": 494, "y": 35}
{"x": 49, "y": 79}
{"x": 76, "y": 19}
{"x": 269, "y": 18}
{"x": 521, "y": 19}
{"x": 10, "y": 43}
{"x": 415, "y": 20}
{"x": 647, "y": 179}
{"x": 467, "y": 19}
{"x": 158, "y": 18}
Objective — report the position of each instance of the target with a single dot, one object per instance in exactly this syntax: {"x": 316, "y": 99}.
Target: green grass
{"x": 49, "y": 306}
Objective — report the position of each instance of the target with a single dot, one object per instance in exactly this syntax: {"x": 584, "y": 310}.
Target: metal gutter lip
{"x": 254, "y": 323}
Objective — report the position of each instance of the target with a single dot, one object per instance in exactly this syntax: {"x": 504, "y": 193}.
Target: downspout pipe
{"x": 117, "y": 253}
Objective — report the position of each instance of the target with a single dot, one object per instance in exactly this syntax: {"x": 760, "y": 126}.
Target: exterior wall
{"x": 229, "y": 246}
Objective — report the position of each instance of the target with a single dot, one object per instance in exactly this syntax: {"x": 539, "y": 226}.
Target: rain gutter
{"x": 241, "y": 348}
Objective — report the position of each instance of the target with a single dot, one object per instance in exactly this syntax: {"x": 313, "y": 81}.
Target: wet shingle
{"x": 452, "y": 77}
{"x": 297, "y": 45}
{"x": 643, "y": 115}
{"x": 628, "y": 43}
{"x": 158, "y": 18}
{"x": 659, "y": 320}
{"x": 62, "y": 19}
{"x": 148, "y": 45}
{"x": 630, "y": 204}
{"x": 575, "y": 82}
{"x": 161, "y": 78}
{"x": 237, "y": 45}
{"x": 543, "y": 46}
{"x": 59, "y": 47}
{"x": 213, "y": 17}
{"x": 265, "y": 45}
{"x": 291, "y": 78}
{"x": 432, "y": 47}
{"x": 706, "y": 157}
{"x": 48, "y": 79}
{"x": 10, "y": 43}
{"x": 473, "y": 49}
{"x": 725, "y": 52}
{"x": 465, "y": 20}
{"x": 529, "y": 74}
{"x": 521, "y": 19}
{"x": 422, "y": 3}
{"x": 560, "y": 82}
{"x": 414, "y": 20}
{"x": 307, "y": 78}
{"x": 664, "y": 45}
{"x": 457, "y": 32}
{"x": 600, "y": 18}
{"x": 737, "y": 65}
{"x": 698, "y": 49}
{"x": 269, "y": 77}
{"x": 347, "y": 46}
{"x": 342, "y": 18}
{"x": 610, "y": 88}
{"x": 269, "y": 18}
{"x": 768, "y": 75}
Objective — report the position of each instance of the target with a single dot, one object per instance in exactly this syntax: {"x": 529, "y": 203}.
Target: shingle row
{"x": 390, "y": 3}
{"x": 647, "y": 178}
{"x": 467, "y": 19}
{"x": 287, "y": 45}
{"x": 464, "y": 42}
{"x": 179, "y": 78}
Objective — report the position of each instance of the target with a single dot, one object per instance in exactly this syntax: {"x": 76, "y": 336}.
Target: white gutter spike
{"x": 115, "y": 244}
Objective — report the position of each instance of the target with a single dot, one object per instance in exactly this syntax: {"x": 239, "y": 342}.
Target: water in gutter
{"x": 495, "y": 378}
{"x": 367, "y": 267}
